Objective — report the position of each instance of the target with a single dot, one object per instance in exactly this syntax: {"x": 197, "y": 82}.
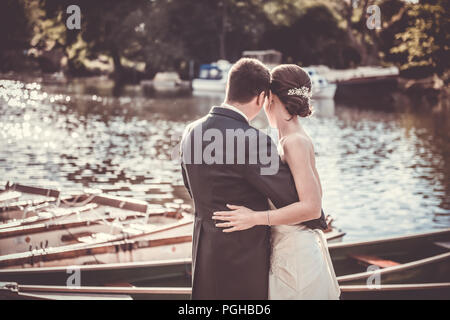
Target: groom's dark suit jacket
{"x": 232, "y": 265}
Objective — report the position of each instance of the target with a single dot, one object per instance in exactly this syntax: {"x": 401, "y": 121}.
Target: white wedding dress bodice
{"x": 301, "y": 267}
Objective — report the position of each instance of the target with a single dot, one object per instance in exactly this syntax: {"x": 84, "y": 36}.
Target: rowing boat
{"x": 428, "y": 270}
{"x": 140, "y": 264}
{"x": 429, "y": 291}
{"x": 37, "y": 205}
{"x": 13, "y": 291}
{"x": 135, "y": 258}
{"x": 173, "y": 272}
{"x": 176, "y": 273}
{"x": 17, "y": 199}
{"x": 420, "y": 291}
{"x": 418, "y": 258}
{"x": 96, "y": 221}
{"x": 152, "y": 259}
{"x": 85, "y": 235}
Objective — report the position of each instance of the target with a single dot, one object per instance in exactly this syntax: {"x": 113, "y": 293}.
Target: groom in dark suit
{"x": 226, "y": 161}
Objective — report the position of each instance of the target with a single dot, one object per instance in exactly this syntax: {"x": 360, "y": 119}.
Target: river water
{"x": 384, "y": 172}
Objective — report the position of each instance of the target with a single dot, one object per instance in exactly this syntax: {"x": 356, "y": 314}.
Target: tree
{"x": 212, "y": 30}
{"x": 15, "y": 32}
{"x": 395, "y": 20}
{"x": 313, "y": 37}
{"x": 425, "y": 42}
{"x": 108, "y": 27}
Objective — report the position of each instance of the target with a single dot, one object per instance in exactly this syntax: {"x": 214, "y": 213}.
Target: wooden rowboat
{"x": 37, "y": 205}
{"x": 140, "y": 264}
{"x": 427, "y": 278}
{"x": 16, "y": 198}
{"x": 434, "y": 291}
{"x": 177, "y": 273}
{"x": 421, "y": 291}
{"x": 173, "y": 273}
{"x": 133, "y": 239}
{"x": 146, "y": 293}
{"x": 30, "y": 245}
{"x": 12, "y": 291}
{"x": 141, "y": 261}
{"x": 418, "y": 258}
{"x": 92, "y": 219}
{"x": 427, "y": 270}
{"x": 93, "y": 223}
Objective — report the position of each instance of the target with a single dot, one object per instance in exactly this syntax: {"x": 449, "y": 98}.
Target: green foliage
{"x": 425, "y": 41}
{"x": 395, "y": 20}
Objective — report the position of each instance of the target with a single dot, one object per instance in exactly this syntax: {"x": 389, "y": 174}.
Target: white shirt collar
{"x": 229, "y": 106}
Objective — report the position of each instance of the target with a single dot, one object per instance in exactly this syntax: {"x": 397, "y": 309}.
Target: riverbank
{"x": 430, "y": 93}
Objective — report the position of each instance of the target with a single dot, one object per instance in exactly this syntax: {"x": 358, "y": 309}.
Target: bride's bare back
{"x": 301, "y": 142}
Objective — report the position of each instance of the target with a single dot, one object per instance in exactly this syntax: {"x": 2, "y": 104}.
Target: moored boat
{"x": 142, "y": 267}
{"x": 171, "y": 272}
{"x": 13, "y": 291}
{"x": 420, "y": 291}
{"x": 123, "y": 237}
{"x": 428, "y": 270}
{"x": 126, "y": 244}
{"x": 212, "y": 78}
{"x": 166, "y": 82}
{"x": 429, "y": 291}
{"x": 322, "y": 89}
{"x": 16, "y": 200}
{"x": 271, "y": 58}
{"x": 417, "y": 258}
{"x": 98, "y": 218}
{"x": 140, "y": 261}
{"x": 101, "y": 225}
{"x": 367, "y": 82}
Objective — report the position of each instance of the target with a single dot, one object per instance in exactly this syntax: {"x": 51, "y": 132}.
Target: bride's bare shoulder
{"x": 297, "y": 142}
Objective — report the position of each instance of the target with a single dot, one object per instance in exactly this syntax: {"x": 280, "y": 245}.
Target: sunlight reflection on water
{"x": 383, "y": 173}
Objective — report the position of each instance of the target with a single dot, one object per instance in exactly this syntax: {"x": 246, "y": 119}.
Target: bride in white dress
{"x": 301, "y": 266}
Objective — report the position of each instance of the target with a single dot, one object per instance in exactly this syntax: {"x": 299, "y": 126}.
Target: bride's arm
{"x": 299, "y": 155}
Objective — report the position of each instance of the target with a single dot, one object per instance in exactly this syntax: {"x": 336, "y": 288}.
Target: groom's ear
{"x": 269, "y": 95}
{"x": 260, "y": 98}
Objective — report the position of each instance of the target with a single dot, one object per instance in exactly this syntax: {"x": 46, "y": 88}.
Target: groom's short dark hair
{"x": 247, "y": 79}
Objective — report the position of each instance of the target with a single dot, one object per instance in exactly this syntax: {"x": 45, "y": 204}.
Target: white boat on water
{"x": 166, "y": 82}
{"x": 271, "y": 58}
{"x": 364, "y": 74}
{"x": 212, "y": 77}
{"x": 322, "y": 89}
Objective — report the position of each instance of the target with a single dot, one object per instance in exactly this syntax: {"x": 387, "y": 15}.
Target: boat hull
{"x": 428, "y": 270}
{"x": 326, "y": 92}
{"x": 401, "y": 249}
{"x": 201, "y": 85}
{"x": 431, "y": 291}
{"x": 128, "y": 262}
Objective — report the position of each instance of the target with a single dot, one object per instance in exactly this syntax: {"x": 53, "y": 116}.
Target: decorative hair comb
{"x": 302, "y": 91}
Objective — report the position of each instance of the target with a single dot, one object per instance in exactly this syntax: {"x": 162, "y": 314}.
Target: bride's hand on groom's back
{"x": 237, "y": 219}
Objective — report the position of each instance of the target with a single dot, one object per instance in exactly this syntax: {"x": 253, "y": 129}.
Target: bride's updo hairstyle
{"x": 292, "y": 85}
